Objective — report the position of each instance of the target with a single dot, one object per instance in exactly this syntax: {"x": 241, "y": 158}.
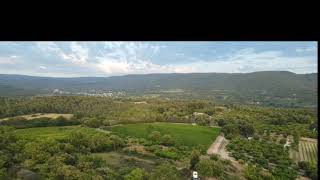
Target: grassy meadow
{"x": 183, "y": 134}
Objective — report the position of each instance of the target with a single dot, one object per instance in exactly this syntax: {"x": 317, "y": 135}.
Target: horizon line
{"x": 154, "y": 74}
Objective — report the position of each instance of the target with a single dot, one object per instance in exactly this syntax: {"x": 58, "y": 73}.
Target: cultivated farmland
{"x": 308, "y": 151}
{"x": 183, "y": 134}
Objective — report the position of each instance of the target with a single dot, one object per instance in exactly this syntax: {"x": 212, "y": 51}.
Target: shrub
{"x": 136, "y": 174}
{"x": 283, "y": 141}
{"x": 167, "y": 140}
{"x": 170, "y": 153}
{"x": 165, "y": 172}
{"x": 215, "y": 157}
{"x": 194, "y": 159}
{"x": 155, "y": 136}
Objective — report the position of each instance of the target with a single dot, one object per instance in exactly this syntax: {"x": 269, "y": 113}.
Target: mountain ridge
{"x": 255, "y": 86}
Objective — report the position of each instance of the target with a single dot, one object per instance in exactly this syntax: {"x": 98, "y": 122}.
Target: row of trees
{"x": 264, "y": 154}
{"x": 20, "y": 122}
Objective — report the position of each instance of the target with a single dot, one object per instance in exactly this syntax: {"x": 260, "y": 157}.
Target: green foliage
{"x": 20, "y": 122}
{"x": 310, "y": 169}
{"x": 136, "y": 174}
{"x": 209, "y": 168}
{"x": 92, "y": 122}
{"x": 52, "y": 132}
{"x": 194, "y": 159}
{"x": 155, "y": 136}
{"x": 170, "y": 153}
{"x": 296, "y": 138}
{"x": 263, "y": 154}
{"x": 167, "y": 140}
{"x": 182, "y": 134}
{"x": 165, "y": 172}
{"x": 65, "y": 152}
{"x": 202, "y": 120}
{"x": 8, "y": 149}
{"x": 255, "y": 173}
{"x": 215, "y": 157}
{"x": 283, "y": 140}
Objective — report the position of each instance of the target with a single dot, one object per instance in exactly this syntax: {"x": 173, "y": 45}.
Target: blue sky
{"x": 74, "y": 59}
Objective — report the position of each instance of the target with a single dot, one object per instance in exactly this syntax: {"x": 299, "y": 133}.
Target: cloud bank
{"x": 118, "y": 58}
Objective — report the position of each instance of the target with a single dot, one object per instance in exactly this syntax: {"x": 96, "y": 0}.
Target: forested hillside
{"x": 275, "y": 88}
{"x": 150, "y": 138}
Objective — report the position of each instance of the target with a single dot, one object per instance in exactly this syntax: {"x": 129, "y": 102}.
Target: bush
{"x": 165, "y": 172}
{"x": 170, "y": 153}
{"x": 155, "y": 136}
{"x": 215, "y": 157}
{"x": 194, "y": 159}
{"x": 167, "y": 140}
{"x": 283, "y": 141}
{"x": 136, "y": 174}
{"x": 209, "y": 168}
{"x": 92, "y": 122}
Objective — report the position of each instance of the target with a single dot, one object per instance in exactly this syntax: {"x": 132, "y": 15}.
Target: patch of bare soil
{"x": 302, "y": 178}
{"x": 219, "y": 147}
{"x": 309, "y": 139}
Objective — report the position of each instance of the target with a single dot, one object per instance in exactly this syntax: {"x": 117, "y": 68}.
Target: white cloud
{"x": 127, "y": 60}
{"x": 118, "y": 58}
{"x": 308, "y": 49}
{"x": 78, "y": 55}
{"x": 179, "y": 54}
{"x": 42, "y": 67}
{"x": 8, "y": 60}
{"x": 248, "y": 60}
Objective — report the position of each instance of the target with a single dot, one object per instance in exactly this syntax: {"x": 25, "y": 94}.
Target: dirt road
{"x": 219, "y": 147}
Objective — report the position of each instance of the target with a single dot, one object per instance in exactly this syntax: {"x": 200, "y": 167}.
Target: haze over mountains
{"x": 281, "y": 88}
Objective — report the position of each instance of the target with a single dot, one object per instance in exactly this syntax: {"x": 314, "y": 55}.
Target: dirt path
{"x": 102, "y": 130}
{"x": 219, "y": 147}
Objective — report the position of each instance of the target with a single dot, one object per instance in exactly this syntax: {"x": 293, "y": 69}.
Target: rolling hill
{"x": 266, "y": 87}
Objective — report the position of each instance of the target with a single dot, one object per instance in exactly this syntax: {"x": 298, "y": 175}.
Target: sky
{"x": 113, "y": 58}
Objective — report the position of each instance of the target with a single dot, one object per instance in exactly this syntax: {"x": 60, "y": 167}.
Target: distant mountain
{"x": 271, "y": 87}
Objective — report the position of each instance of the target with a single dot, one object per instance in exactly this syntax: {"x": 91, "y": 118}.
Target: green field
{"x": 183, "y": 134}
{"x": 52, "y": 132}
{"x": 308, "y": 151}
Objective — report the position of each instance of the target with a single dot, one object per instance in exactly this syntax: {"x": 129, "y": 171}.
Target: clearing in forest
{"x": 183, "y": 134}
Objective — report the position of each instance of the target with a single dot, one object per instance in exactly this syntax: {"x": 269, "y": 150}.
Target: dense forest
{"x": 71, "y": 156}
